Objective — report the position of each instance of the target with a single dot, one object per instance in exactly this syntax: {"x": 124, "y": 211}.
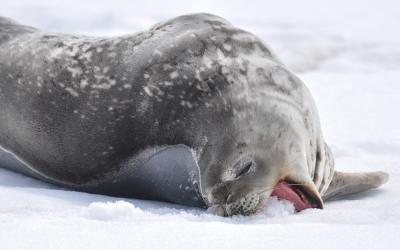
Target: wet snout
{"x": 244, "y": 206}
{"x": 228, "y": 202}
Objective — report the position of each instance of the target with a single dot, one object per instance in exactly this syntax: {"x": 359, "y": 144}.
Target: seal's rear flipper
{"x": 350, "y": 183}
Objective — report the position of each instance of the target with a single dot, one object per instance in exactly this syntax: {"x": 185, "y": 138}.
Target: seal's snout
{"x": 225, "y": 202}
{"x": 245, "y": 206}
{"x": 232, "y": 195}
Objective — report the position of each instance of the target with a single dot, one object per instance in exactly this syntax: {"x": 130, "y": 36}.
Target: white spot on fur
{"x": 56, "y": 52}
{"x": 186, "y": 104}
{"x": 222, "y": 59}
{"x": 167, "y": 83}
{"x": 147, "y": 90}
{"x": 198, "y": 77}
{"x": 207, "y": 61}
{"x": 75, "y": 71}
{"x": 167, "y": 66}
{"x": 227, "y": 47}
{"x": 72, "y": 92}
{"x": 157, "y": 52}
{"x": 83, "y": 83}
{"x": 105, "y": 85}
{"x": 173, "y": 75}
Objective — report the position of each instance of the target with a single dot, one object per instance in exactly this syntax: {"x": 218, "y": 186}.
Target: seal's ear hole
{"x": 245, "y": 168}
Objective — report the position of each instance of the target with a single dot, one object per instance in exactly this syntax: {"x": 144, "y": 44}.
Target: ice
{"x": 347, "y": 53}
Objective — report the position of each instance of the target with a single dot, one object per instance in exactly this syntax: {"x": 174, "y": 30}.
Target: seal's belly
{"x": 171, "y": 174}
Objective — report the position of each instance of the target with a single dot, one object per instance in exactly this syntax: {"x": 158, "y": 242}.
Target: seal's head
{"x": 258, "y": 154}
{"x": 258, "y": 144}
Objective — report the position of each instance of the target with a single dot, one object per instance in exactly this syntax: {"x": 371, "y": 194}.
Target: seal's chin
{"x": 297, "y": 194}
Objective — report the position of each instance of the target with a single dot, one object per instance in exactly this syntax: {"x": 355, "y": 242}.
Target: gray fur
{"x": 112, "y": 115}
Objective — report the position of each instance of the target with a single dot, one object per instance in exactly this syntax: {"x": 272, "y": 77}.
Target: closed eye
{"x": 245, "y": 169}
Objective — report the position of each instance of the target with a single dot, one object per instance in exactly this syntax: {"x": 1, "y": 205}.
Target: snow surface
{"x": 348, "y": 54}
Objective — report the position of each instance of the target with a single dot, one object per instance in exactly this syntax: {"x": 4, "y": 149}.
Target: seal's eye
{"x": 245, "y": 168}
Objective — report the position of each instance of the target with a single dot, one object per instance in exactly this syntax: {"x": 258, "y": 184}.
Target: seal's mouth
{"x": 302, "y": 196}
{"x": 297, "y": 194}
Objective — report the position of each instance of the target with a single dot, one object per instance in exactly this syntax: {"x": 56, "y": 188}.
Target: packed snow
{"x": 347, "y": 53}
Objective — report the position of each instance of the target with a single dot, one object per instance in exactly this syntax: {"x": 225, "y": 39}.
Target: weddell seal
{"x": 193, "y": 111}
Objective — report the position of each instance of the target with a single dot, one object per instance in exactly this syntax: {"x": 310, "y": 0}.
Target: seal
{"x": 193, "y": 111}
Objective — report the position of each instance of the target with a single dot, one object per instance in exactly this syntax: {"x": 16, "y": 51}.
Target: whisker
{"x": 298, "y": 184}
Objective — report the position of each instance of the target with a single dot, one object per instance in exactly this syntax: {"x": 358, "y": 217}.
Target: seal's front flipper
{"x": 350, "y": 183}
{"x": 164, "y": 173}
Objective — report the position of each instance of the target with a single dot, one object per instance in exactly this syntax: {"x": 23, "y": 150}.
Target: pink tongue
{"x": 284, "y": 191}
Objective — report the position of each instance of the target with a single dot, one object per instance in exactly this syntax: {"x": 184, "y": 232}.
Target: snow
{"x": 348, "y": 55}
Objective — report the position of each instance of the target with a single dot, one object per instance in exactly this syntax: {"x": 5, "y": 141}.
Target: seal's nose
{"x": 219, "y": 193}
